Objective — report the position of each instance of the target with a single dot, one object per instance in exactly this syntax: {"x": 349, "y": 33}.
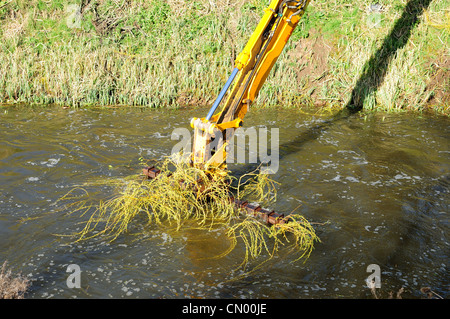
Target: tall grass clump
{"x": 12, "y": 286}
{"x": 188, "y": 197}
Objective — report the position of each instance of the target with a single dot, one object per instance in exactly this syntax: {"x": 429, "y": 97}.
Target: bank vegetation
{"x": 390, "y": 55}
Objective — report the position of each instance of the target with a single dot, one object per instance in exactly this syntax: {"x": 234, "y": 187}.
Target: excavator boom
{"x": 213, "y": 133}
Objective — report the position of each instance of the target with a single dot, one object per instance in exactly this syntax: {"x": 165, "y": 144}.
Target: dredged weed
{"x": 189, "y": 197}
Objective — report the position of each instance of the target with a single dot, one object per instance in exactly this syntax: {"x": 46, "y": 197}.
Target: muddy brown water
{"x": 376, "y": 186}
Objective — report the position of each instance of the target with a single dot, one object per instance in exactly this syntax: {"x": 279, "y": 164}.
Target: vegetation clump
{"x": 12, "y": 287}
{"x": 187, "y": 197}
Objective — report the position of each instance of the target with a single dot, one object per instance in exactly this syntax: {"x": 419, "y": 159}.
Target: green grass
{"x": 170, "y": 53}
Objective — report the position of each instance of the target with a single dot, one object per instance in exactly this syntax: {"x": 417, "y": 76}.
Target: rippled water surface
{"x": 375, "y": 186}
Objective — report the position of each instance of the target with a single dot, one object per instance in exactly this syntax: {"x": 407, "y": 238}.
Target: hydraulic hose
{"x": 222, "y": 94}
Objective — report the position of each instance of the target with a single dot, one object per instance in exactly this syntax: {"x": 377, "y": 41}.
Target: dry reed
{"x": 12, "y": 287}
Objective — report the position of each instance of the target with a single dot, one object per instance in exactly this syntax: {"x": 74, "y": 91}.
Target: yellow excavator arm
{"x": 213, "y": 133}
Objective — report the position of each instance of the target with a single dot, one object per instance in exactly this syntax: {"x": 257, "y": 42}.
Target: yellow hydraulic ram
{"x": 251, "y": 68}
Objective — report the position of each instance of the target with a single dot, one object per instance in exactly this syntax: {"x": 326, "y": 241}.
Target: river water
{"x": 374, "y": 185}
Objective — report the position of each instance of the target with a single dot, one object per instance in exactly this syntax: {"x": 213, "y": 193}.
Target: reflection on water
{"x": 375, "y": 186}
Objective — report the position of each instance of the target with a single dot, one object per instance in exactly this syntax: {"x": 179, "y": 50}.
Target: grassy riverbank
{"x": 175, "y": 52}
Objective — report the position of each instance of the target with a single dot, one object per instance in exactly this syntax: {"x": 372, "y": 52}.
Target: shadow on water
{"x": 372, "y": 76}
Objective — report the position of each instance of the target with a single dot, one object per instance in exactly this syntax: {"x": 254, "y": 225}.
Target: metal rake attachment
{"x": 266, "y": 216}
